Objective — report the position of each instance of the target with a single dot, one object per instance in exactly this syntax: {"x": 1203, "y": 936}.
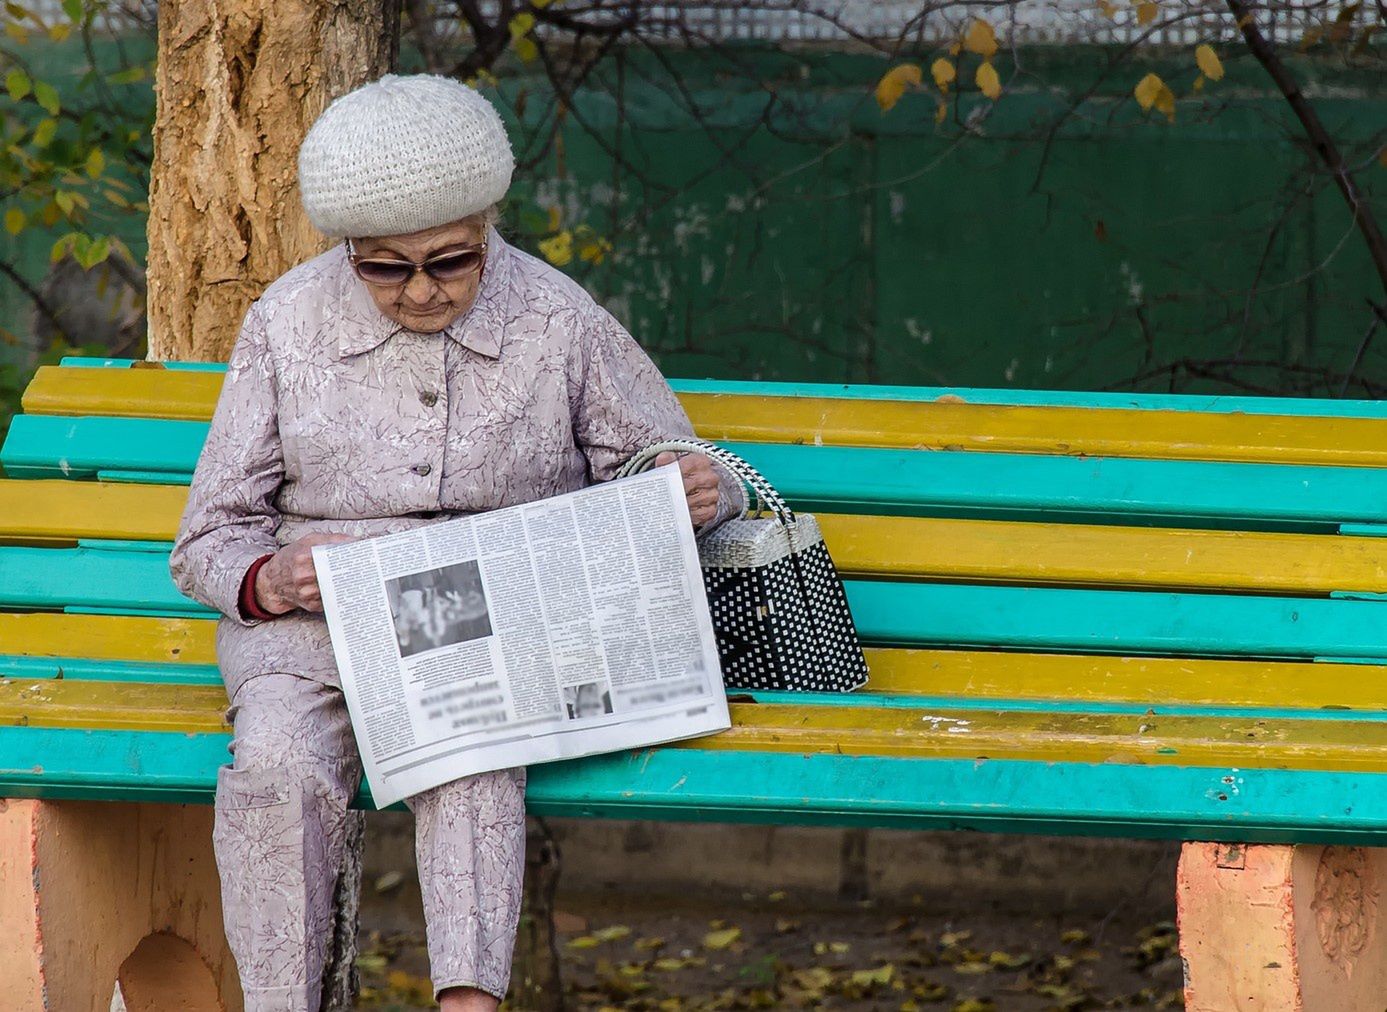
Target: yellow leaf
{"x": 721, "y": 939}
{"x": 1198, "y": 83}
{"x": 582, "y": 941}
{"x": 1382, "y": 158}
{"x": 894, "y": 82}
{"x": 980, "y": 38}
{"x": 871, "y": 978}
{"x": 1209, "y": 63}
{"x": 776, "y": 896}
{"x": 941, "y": 112}
{"x": 987, "y": 80}
{"x": 15, "y": 220}
{"x": 668, "y": 965}
{"x": 525, "y": 48}
{"x": 944, "y": 73}
{"x": 558, "y": 250}
{"x": 521, "y": 24}
{"x": 1107, "y": 9}
{"x": 1075, "y": 936}
{"x": 96, "y": 163}
{"x": 974, "y": 1005}
{"x": 615, "y": 933}
{"x": 1147, "y": 10}
{"x": 59, "y": 32}
{"x": 43, "y": 133}
{"x": 972, "y": 968}
{"x": 1150, "y": 91}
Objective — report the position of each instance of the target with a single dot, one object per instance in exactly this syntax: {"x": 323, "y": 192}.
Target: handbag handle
{"x": 765, "y": 492}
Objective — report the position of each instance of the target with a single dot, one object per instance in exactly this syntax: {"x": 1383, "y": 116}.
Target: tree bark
{"x": 238, "y": 84}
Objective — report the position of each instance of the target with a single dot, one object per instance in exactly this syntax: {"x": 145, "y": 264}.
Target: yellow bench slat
{"x": 115, "y": 706}
{"x": 995, "y": 551}
{"x": 937, "y": 425}
{"x": 109, "y": 637}
{"x": 68, "y": 510}
{"x": 984, "y": 675}
{"x": 1063, "y": 431}
{"x": 899, "y": 547}
{"x": 187, "y": 395}
{"x": 879, "y": 731}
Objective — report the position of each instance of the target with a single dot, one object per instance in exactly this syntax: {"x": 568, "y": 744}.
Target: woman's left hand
{"x": 700, "y": 484}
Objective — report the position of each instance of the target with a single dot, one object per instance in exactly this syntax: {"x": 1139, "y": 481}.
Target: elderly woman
{"x": 421, "y": 370}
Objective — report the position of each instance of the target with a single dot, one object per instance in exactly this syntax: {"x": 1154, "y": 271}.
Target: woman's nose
{"x": 420, "y": 288}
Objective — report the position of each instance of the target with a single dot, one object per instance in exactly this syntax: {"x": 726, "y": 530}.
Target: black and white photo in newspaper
{"x": 560, "y": 628}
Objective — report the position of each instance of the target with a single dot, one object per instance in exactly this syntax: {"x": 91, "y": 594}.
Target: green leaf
{"x": 95, "y": 253}
{"x": 73, "y": 9}
{"x": 15, "y": 220}
{"x": 47, "y": 97}
{"x": 17, "y": 83}
{"x": 96, "y": 163}
{"x": 65, "y": 200}
{"x": 62, "y": 247}
{"x": 128, "y": 76}
{"x": 43, "y": 133}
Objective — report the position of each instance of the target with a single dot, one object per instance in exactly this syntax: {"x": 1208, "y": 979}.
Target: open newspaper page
{"x": 561, "y": 628}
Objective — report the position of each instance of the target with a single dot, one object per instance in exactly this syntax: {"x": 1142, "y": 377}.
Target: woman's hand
{"x": 289, "y": 581}
{"x": 700, "y": 485}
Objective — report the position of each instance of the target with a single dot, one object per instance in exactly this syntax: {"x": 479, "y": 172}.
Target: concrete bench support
{"x": 94, "y": 892}
{"x": 1282, "y": 928}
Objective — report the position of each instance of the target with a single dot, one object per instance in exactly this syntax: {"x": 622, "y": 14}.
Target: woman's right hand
{"x": 289, "y": 581}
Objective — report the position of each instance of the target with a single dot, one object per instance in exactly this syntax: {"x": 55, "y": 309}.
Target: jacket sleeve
{"x": 230, "y": 519}
{"x": 622, "y": 404}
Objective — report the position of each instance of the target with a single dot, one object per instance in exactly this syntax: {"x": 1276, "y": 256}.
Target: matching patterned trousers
{"x": 280, "y": 819}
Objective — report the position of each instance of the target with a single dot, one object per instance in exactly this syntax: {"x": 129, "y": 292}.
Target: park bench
{"x": 1085, "y": 614}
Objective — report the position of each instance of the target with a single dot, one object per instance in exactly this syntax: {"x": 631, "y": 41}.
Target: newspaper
{"x": 560, "y": 628}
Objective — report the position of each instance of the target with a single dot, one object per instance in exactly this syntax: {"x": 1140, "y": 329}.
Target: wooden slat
{"x": 187, "y": 709}
{"x": 988, "y": 551}
{"x": 109, "y": 637}
{"x": 1155, "y": 681}
{"x": 859, "y": 480}
{"x": 1269, "y": 743}
{"x": 1090, "y": 555}
{"x": 136, "y": 393}
{"x": 948, "y": 424}
{"x": 69, "y": 510}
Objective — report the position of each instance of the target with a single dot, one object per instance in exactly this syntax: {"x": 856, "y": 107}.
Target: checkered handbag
{"x": 778, "y": 607}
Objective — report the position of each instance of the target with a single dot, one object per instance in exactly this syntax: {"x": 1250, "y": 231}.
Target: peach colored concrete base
{"x": 94, "y": 892}
{"x": 1282, "y": 929}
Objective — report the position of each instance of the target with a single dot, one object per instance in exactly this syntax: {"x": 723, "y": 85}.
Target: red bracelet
{"x": 250, "y": 606}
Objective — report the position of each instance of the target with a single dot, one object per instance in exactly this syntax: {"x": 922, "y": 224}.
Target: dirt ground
{"x": 770, "y": 951}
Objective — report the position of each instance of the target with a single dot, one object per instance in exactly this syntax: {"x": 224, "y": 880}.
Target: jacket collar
{"x": 482, "y": 328}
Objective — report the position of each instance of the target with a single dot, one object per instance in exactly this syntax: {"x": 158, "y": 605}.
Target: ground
{"x": 772, "y": 951}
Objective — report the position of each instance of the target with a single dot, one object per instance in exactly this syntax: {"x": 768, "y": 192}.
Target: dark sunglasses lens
{"x": 378, "y": 273}
{"x": 458, "y": 265}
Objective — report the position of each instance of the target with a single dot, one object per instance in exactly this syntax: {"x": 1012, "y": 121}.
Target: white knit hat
{"x": 403, "y": 154}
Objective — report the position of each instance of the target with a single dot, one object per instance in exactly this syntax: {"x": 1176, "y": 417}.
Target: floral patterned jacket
{"x": 335, "y": 419}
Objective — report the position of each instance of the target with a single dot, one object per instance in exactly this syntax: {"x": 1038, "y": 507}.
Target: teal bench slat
{"x": 54, "y": 578}
{"x": 855, "y": 479}
{"x": 82, "y": 669}
{"x": 1117, "y": 622}
{"x": 56, "y": 446}
{"x": 886, "y": 612}
{"x": 1073, "y": 799}
{"x": 1301, "y": 406}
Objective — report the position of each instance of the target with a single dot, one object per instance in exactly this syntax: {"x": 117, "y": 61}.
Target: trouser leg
{"x": 278, "y": 835}
{"x": 470, "y": 844}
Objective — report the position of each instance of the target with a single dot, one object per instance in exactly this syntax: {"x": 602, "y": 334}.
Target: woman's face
{"x": 423, "y": 304}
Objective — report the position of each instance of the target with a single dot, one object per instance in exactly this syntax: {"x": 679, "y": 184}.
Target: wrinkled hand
{"x": 700, "y": 485}
{"x": 289, "y": 581}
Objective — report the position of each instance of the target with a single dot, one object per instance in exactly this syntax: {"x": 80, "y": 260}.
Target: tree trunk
{"x": 239, "y": 82}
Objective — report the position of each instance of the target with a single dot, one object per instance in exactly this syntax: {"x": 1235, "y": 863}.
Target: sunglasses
{"x": 453, "y": 266}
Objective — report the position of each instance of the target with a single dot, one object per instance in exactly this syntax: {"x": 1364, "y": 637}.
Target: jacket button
{"x": 421, "y": 469}
{"x": 428, "y": 398}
